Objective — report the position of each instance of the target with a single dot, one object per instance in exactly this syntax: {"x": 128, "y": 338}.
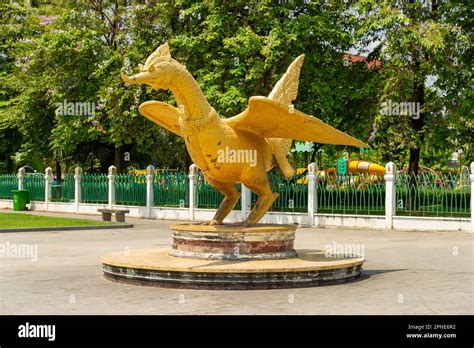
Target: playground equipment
{"x": 356, "y": 166}
{"x": 361, "y": 174}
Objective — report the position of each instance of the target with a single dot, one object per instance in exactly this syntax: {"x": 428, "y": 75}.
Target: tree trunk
{"x": 316, "y": 148}
{"x": 119, "y": 158}
{"x": 187, "y": 160}
{"x": 9, "y": 163}
{"x": 418, "y": 120}
{"x": 417, "y": 126}
{"x": 414, "y": 162}
{"x": 57, "y": 169}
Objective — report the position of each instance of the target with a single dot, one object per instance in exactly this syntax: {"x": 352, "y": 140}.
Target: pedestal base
{"x": 230, "y": 257}
{"x": 158, "y": 268}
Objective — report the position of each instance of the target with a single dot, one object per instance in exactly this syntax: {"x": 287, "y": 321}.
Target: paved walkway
{"x": 406, "y": 272}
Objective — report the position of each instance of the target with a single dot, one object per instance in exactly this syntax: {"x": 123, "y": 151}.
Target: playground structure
{"x": 351, "y": 172}
{"x": 456, "y": 179}
{"x": 360, "y": 173}
{"x": 356, "y": 166}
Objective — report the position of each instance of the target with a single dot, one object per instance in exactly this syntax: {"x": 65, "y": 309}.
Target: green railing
{"x": 361, "y": 194}
{"x": 208, "y": 197}
{"x": 67, "y": 188}
{"x": 63, "y": 192}
{"x": 432, "y": 194}
{"x": 35, "y": 185}
{"x": 94, "y": 188}
{"x": 171, "y": 189}
{"x": 8, "y": 182}
{"x": 349, "y": 194}
{"x": 292, "y": 196}
{"x": 427, "y": 194}
{"x": 130, "y": 189}
{"x": 293, "y": 193}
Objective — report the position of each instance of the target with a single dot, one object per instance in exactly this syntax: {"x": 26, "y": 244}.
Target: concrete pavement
{"x": 406, "y": 272}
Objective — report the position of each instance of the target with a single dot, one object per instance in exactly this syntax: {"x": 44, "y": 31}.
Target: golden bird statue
{"x": 240, "y": 149}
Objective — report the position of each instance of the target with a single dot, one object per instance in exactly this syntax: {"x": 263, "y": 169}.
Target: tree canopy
{"x": 74, "y": 51}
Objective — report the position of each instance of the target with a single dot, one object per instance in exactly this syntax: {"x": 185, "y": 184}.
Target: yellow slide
{"x": 356, "y": 166}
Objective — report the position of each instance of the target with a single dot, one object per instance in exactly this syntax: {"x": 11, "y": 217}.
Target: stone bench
{"x": 119, "y": 214}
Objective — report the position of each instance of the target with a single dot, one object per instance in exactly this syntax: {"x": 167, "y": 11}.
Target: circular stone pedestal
{"x": 227, "y": 242}
{"x": 229, "y": 257}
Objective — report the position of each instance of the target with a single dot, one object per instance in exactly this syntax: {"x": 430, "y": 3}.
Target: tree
{"x": 23, "y": 120}
{"x": 425, "y": 50}
{"x": 240, "y": 49}
{"x": 234, "y": 49}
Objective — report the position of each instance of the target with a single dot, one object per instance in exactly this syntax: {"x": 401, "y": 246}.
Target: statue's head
{"x": 158, "y": 71}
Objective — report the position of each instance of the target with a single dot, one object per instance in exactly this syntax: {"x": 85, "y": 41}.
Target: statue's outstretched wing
{"x": 162, "y": 114}
{"x": 286, "y": 89}
{"x": 270, "y": 119}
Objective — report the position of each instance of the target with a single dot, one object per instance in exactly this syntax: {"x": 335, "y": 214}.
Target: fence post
{"x": 77, "y": 188}
{"x": 245, "y": 201}
{"x": 312, "y": 192}
{"x": 21, "y": 176}
{"x": 472, "y": 195}
{"x": 48, "y": 177}
{"x": 390, "y": 194}
{"x": 111, "y": 176}
{"x": 193, "y": 171}
{"x": 150, "y": 174}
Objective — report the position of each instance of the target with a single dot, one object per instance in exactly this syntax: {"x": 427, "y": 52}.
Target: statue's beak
{"x": 135, "y": 79}
{"x": 126, "y": 79}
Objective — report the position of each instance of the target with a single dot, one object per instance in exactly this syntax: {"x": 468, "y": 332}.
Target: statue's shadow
{"x": 366, "y": 274}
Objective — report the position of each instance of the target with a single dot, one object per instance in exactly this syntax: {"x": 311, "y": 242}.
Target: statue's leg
{"x": 265, "y": 200}
{"x": 231, "y": 197}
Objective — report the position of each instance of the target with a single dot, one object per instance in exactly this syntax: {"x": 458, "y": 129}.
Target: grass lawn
{"x": 12, "y": 220}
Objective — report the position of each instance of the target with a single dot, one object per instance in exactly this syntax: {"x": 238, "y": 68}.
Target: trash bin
{"x": 56, "y": 192}
{"x": 20, "y": 199}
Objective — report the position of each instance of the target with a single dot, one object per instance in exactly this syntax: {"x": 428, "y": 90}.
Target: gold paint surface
{"x": 239, "y": 149}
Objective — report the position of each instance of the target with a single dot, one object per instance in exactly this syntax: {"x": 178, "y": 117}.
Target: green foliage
{"x": 426, "y": 55}
{"x": 75, "y": 51}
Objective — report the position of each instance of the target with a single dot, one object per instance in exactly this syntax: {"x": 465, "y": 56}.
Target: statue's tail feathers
{"x": 280, "y": 148}
{"x": 286, "y": 169}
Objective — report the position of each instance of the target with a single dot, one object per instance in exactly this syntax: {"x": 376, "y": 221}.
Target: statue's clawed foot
{"x": 212, "y": 222}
